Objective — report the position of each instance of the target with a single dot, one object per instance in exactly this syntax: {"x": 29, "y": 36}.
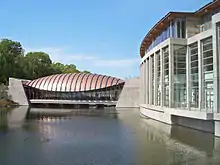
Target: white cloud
{"x": 59, "y": 54}
{"x": 81, "y": 57}
{"x": 120, "y": 63}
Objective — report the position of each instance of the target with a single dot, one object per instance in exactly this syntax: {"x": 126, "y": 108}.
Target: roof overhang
{"x": 163, "y": 23}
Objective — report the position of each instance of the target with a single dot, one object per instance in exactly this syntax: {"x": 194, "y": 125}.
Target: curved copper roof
{"x": 164, "y": 22}
{"x": 74, "y": 82}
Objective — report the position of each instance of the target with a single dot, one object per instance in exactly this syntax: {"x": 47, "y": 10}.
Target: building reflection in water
{"x": 178, "y": 144}
{"x": 152, "y": 142}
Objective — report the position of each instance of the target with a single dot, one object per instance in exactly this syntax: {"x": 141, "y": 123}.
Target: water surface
{"x": 99, "y": 137}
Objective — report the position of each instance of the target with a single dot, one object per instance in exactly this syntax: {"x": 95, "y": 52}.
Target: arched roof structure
{"x": 74, "y": 82}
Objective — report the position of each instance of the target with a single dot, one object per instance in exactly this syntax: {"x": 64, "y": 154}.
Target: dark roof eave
{"x": 199, "y": 11}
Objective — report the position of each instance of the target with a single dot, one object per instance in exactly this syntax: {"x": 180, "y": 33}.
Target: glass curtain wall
{"x": 206, "y": 22}
{"x": 181, "y": 28}
{"x": 166, "y": 76}
{"x": 148, "y": 81}
{"x": 175, "y": 29}
{"x": 179, "y": 76}
{"x": 194, "y": 75}
{"x": 207, "y": 63}
{"x": 152, "y": 79}
{"x": 158, "y": 88}
{"x": 106, "y": 94}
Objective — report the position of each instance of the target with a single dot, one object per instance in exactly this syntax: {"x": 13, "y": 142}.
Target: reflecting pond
{"x": 99, "y": 137}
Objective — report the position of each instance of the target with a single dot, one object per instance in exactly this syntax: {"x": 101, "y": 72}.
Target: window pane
{"x": 179, "y": 76}
{"x": 207, "y": 55}
{"x": 166, "y": 77}
{"x": 193, "y": 51}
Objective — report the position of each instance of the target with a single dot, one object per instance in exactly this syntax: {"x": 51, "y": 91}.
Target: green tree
{"x": 57, "y": 67}
{"x": 71, "y": 68}
{"x": 61, "y": 68}
{"x": 11, "y": 54}
{"x": 13, "y": 63}
{"x": 85, "y": 71}
{"x": 38, "y": 64}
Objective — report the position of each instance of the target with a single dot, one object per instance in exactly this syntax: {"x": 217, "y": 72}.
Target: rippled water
{"x": 99, "y": 137}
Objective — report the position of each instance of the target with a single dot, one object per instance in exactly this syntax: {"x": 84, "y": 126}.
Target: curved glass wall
{"x": 207, "y": 68}
{"x": 194, "y": 75}
{"x": 179, "y": 76}
{"x": 106, "y": 94}
{"x": 166, "y": 89}
{"x": 148, "y": 80}
{"x": 176, "y": 29}
{"x": 152, "y": 79}
{"x": 158, "y": 78}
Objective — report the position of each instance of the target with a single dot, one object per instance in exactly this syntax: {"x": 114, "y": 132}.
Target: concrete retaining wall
{"x": 196, "y": 120}
{"x": 129, "y": 97}
{"x": 202, "y": 125}
{"x": 156, "y": 115}
{"x": 16, "y": 91}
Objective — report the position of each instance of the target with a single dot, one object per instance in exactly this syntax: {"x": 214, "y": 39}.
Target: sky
{"x": 102, "y": 36}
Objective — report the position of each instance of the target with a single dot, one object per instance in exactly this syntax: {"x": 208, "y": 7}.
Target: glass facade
{"x": 152, "y": 79}
{"x": 179, "y": 78}
{"x": 106, "y": 94}
{"x": 206, "y": 22}
{"x": 207, "y": 70}
{"x": 184, "y": 73}
{"x": 200, "y": 65}
{"x": 194, "y": 75}
{"x": 176, "y": 29}
{"x": 158, "y": 78}
{"x": 181, "y": 28}
{"x": 165, "y": 53}
{"x": 148, "y": 80}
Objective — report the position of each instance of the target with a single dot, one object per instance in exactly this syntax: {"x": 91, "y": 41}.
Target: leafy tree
{"x": 57, "y": 67}
{"x": 85, "y": 71}
{"x": 38, "y": 64}
{"x": 61, "y": 68}
{"x": 13, "y": 63}
{"x": 11, "y": 53}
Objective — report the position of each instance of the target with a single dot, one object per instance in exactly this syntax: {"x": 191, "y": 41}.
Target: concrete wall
{"x": 16, "y": 91}
{"x": 129, "y": 97}
{"x": 206, "y": 125}
{"x": 156, "y": 115}
{"x": 217, "y": 128}
{"x": 202, "y": 125}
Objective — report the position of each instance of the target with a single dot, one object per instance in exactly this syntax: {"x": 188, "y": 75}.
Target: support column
{"x": 162, "y": 77}
{"x": 147, "y": 82}
{"x": 144, "y": 82}
{"x": 141, "y": 84}
{"x": 216, "y": 67}
{"x": 201, "y": 93}
{"x": 171, "y": 73}
{"x": 155, "y": 78}
{"x": 188, "y": 79}
{"x": 150, "y": 80}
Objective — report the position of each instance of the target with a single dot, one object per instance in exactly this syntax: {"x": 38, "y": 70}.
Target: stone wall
{"x": 16, "y": 91}
{"x": 129, "y": 97}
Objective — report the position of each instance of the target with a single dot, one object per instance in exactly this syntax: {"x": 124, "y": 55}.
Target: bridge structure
{"x": 72, "y": 103}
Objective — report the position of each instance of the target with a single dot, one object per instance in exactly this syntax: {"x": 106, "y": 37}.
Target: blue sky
{"x": 99, "y": 36}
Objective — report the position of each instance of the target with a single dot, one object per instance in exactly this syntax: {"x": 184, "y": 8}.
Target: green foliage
{"x": 37, "y": 64}
{"x": 3, "y": 92}
{"x": 85, "y": 71}
{"x": 13, "y": 63}
{"x": 11, "y": 53}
